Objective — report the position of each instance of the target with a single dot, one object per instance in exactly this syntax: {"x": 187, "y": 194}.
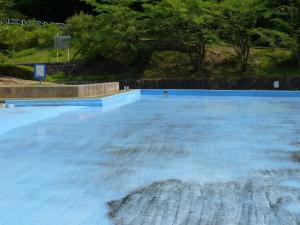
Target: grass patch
{"x": 61, "y": 77}
{"x": 37, "y": 55}
{"x": 22, "y": 72}
{"x": 220, "y": 62}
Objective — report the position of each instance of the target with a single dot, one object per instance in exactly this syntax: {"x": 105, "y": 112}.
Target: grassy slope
{"x": 220, "y": 62}
{"x": 35, "y": 55}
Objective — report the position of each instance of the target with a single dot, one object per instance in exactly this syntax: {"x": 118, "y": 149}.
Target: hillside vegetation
{"x": 165, "y": 38}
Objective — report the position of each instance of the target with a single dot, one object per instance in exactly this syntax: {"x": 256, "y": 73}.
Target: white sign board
{"x": 40, "y": 71}
{"x": 276, "y": 84}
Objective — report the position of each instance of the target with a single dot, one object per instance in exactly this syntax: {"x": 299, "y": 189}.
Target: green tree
{"x": 16, "y": 37}
{"x": 184, "y": 25}
{"x": 131, "y": 31}
{"x": 5, "y": 5}
{"x": 285, "y": 17}
{"x": 240, "y": 26}
{"x": 115, "y": 33}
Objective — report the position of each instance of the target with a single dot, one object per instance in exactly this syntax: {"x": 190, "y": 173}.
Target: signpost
{"x": 276, "y": 84}
{"x": 40, "y": 72}
{"x": 62, "y": 42}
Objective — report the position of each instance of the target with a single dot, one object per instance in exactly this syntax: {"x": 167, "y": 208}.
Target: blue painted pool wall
{"x": 55, "y": 102}
{"x": 135, "y": 95}
{"x": 220, "y": 93}
{"x": 123, "y": 98}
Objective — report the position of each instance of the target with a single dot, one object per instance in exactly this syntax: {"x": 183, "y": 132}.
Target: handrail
{"x": 21, "y": 22}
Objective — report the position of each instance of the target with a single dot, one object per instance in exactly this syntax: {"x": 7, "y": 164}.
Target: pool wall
{"x": 59, "y": 91}
{"x": 198, "y": 92}
{"x": 215, "y": 83}
{"x": 135, "y": 95}
{"x": 123, "y": 98}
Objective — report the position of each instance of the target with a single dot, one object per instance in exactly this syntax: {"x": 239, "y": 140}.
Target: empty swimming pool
{"x": 187, "y": 158}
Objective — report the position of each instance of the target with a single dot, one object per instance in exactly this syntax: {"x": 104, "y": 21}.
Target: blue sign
{"x": 40, "y": 72}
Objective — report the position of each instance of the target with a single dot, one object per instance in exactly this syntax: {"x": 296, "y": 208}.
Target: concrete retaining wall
{"x": 59, "y": 91}
{"x": 90, "y": 90}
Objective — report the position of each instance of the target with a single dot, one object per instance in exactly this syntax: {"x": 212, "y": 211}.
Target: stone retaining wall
{"x": 214, "y": 83}
{"x": 81, "y": 67}
{"x": 59, "y": 91}
{"x": 68, "y": 68}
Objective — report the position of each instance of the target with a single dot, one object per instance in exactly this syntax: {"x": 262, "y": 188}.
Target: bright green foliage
{"x": 122, "y": 32}
{"x": 15, "y": 38}
{"x": 240, "y": 26}
{"x": 46, "y": 34}
{"x": 184, "y": 25}
{"x": 82, "y": 29}
{"x": 116, "y": 33}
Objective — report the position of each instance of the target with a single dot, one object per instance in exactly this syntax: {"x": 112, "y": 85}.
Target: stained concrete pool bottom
{"x": 180, "y": 160}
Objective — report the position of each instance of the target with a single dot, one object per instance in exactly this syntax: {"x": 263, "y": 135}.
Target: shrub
{"x": 2, "y": 58}
{"x": 17, "y": 38}
{"x": 22, "y": 72}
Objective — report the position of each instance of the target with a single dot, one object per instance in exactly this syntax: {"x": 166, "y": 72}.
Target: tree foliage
{"x": 122, "y": 30}
{"x": 114, "y": 33}
{"x": 184, "y": 25}
{"x": 14, "y": 38}
{"x": 284, "y": 16}
{"x": 130, "y": 31}
{"x": 240, "y": 26}
{"x": 5, "y": 5}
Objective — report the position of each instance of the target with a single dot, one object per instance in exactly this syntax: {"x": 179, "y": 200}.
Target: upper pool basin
{"x": 183, "y": 158}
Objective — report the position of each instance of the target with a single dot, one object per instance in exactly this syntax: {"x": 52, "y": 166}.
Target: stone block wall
{"x": 249, "y": 83}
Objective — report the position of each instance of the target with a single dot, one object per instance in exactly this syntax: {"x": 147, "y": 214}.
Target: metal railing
{"x": 22, "y": 22}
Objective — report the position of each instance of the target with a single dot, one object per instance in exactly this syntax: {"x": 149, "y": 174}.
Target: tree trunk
{"x": 196, "y": 52}
{"x": 243, "y": 53}
{"x": 245, "y": 58}
{"x": 197, "y": 55}
{"x": 298, "y": 59}
{"x": 142, "y": 60}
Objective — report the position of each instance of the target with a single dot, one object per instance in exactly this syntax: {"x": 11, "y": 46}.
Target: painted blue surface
{"x": 41, "y": 76}
{"x": 55, "y": 102}
{"x": 119, "y": 99}
{"x": 223, "y": 93}
{"x": 124, "y": 98}
{"x": 65, "y": 167}
{"x": 12, "y": 118}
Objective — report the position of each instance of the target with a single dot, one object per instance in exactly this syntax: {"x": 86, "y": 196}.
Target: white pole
{"x": 57, "y": 51}
{"x": 68, "y": 55}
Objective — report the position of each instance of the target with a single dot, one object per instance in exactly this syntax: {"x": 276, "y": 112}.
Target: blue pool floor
{"x": 62, "y": 168}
